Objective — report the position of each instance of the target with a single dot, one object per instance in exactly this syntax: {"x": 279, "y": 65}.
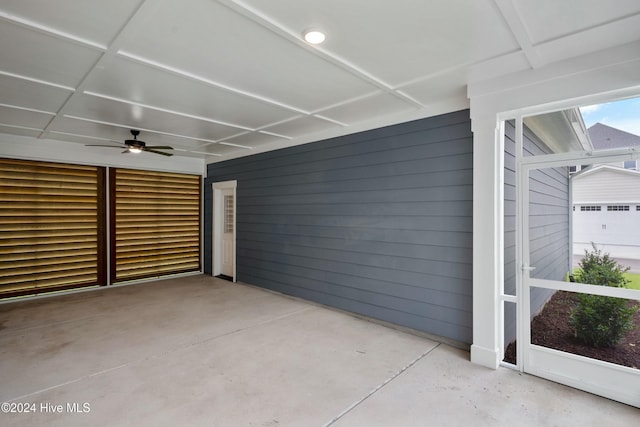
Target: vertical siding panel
{"x": 378, "y": 223}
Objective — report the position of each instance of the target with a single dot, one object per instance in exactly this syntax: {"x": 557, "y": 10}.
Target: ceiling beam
{"x": 517, "y": 27}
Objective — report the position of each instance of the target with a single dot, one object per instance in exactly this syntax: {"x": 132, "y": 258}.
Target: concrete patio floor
{"x": 199, "y": 351}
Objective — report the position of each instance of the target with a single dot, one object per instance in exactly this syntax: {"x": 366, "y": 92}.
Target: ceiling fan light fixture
{"x": 135, "y": 150}
{"x": 313, "y": 36}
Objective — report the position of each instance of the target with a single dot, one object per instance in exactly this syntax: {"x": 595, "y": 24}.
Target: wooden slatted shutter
{"x": 155, "y": 223}
{"x": 51, "y": 226}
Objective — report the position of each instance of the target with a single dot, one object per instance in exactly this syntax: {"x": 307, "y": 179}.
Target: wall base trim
{"x": 489, "y": 358}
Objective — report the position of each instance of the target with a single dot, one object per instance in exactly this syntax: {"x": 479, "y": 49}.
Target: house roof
{"x": 605, "y": 137}
{"x": 562, "y": 131}
{"x": 605, "y": 168}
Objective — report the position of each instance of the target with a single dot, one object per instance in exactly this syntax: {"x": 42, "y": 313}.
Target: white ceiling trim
{"x": 165, "y": 110}
{"x": 253, "y": 96}
{"x": 205, "y": 141}
{"x": 514, "y": 22}
{"x": 197, "y": 152}
{"x": 230, "y": 144}
{"x": 32, "y": 110}
{"x": 590, "y": 39}
{"x": 295, "y": 38}
{"x": 50, "y": 31}
{"x": 277, "y": 135}
{"x": 628, "y": 21}
{"x": 20, "y": 127}
{"x": 287, "y": 120}
{"x": 625, "y": 54}
{"x": 341, "y": 104}
{"x": 405, "y": 94}
{"x": 339, "y": 123}
{"x": 224, "y": 140}
{"x": 291, "y": 119}
{"x": 125, "y": 31}
{"x": 38, "y": 81}
{"x": 497, "y": 67}
{"x": 209, "y": 82}
{"x": 84, "y": 136}
{"x": 434, "y": 75}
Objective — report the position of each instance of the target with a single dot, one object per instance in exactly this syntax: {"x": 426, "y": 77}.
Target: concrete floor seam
{"x": 84, "y": 377}
{"x": 186, "y": 345}
{"x": 380, "y": 386}
{"x": 158, "y": 355}
{"x": 14, "y": 331}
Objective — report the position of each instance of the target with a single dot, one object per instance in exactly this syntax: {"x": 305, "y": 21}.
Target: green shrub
{"x": 598, "y": 320}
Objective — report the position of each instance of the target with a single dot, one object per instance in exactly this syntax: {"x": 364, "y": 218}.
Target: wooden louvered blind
{"x": 51, "y": 226}
{"x": 157, "y": 223}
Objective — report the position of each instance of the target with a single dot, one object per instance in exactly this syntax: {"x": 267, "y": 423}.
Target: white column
{"x": 488, "y": 161}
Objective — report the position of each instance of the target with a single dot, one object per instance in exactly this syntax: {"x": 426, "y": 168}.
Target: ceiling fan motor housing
{"x": 134, "y": 142}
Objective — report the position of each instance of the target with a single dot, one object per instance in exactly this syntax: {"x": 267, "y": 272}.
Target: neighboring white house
{"x": 606, "y": 199}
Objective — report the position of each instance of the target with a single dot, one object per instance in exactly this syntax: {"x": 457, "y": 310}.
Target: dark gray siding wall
{"x": 377, "y": 223}
{"x": 548, "y": 223}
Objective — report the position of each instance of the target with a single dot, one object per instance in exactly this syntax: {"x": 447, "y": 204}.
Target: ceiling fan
{"x": 135, "y": 145}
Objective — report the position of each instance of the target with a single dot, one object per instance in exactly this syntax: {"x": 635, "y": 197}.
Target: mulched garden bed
{"x": 551, "y": 329}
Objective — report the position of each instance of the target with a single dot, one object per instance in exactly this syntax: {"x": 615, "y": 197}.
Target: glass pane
{"x": 228, "y": 214}
{"x": 509, "y": 236}
{"x": 602, "y": 328}
{"x": 510, "y": 327}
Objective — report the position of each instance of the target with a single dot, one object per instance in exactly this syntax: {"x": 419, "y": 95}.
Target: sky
{"x": 623, "y": 115}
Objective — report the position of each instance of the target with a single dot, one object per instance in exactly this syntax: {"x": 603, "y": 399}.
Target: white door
{"x": 600, "y": 377}
{"x": 228, "y": 229}
{"x": 224, "y": 230}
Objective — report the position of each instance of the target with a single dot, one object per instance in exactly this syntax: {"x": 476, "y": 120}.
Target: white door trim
{"x": 217, "y": 221}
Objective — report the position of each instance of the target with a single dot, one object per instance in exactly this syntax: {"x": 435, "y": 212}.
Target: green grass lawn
{"x": 635, "y": 280}
{"x": 633, "y": 277}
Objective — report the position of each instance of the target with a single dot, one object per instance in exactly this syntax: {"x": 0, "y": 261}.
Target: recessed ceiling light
{"x": 313, "y": 36}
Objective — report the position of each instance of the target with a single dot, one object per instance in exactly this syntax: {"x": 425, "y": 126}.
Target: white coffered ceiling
{"x": 227, "y": 78}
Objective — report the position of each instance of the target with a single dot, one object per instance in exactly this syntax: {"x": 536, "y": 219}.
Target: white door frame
{"x": 217, "y": 224}
{"x": 603, "y": 378}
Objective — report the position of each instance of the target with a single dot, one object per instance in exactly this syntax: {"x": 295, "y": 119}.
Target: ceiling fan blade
{"x": 157, "y": 152}
{"x": 136, "y": 144}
